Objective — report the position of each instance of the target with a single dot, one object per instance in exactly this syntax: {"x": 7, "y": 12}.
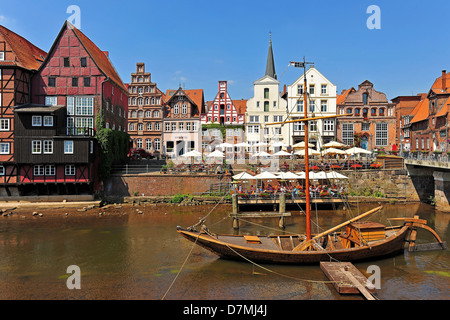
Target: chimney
{"x": 444, "y": 79}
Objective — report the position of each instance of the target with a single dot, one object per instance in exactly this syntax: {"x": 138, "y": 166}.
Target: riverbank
{"x": 39, "y": 210}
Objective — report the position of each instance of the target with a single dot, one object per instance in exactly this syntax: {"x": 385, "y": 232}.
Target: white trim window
{"x": 38, "y": 170}
{"x": 36, "y": 121}
{"x": 69, "y": 170}
{"x": 84, "y": 106}
{"x": 4, "y": 124}
{"x": 381, "y": 134}
{"x": 348, "y": 133}
{"x": 50, "y": 170}
{"x": 2, "y": 55}
{"x": 36, "y": 146}
{"x": 4, "y": 148}
{"x": 48, "y": 121}
{"x": 68, "y": 146}
{"x": 48, "y": 146}
{"x": 51, "y": 101}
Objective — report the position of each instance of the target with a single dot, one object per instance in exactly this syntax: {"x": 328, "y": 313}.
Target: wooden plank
{"x": 341, "y": 281}
{"x": 360, "y": 287}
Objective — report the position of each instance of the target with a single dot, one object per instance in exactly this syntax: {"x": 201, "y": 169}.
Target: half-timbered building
{"x": 19, "y": 59}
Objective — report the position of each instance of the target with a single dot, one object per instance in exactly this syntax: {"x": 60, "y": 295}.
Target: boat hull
{"x": 392, "y": 245}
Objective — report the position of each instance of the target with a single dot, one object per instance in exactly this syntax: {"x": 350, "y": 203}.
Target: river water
{"x": 138, "y": 256}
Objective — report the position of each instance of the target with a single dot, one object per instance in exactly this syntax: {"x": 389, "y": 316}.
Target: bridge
{"x": 430, "y": 175}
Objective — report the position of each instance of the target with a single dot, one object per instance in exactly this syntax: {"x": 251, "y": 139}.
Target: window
{"x": 253, "y": 129}
{"x": 274, "y": 104}
{"x": 148, "y": 114}
{"x": 148, "y": 144}
{"x": 133, "y": 114}
{"x": 4, "y": 124}
{"x": 173, "y": 126}
{"x": 323, "y": 89}
{"x": 184, "y": 109}
{"x": 311, "y": 89}
{"x": 176, "y": 109}
{"x": 87, "y": 81}
{"x": 36, "y": 146}
{"x": 365, "y": 126}
{"x": 299, "y": 126}
{"x": 277, "y": 118}
{"x": 140, "y": 114}
{"x": 266, "y": 93}
{"x": 254, "y": 119}
{"x": 149, "y": 126}
{"x": 68, "y": 146}
{"x": 38, "y": 170}
{"x": 140, "y": 126}
{"x": 299, "y": 106}
{"x": 75, "y": 82}
{"x": 51, "y": 81}
{"x": 365, "y": 98}
{"x": 51, "y": 101}
{"x": 139, "y": 143}
{"x": 266, "y": 106}
{"x": 312, "y": 105}
{"x": 66, "y": 62}
{"x": 194, "y": 126}
{"x": 2, "y": 170}
{"x": 373, "y": 112}
{"x": 328, "y": 125}
{"x": 157, "y": 144}
{"x": 84, "y": 106}
{"x": 157, "y": 126}
{"x": 181, "y": 126}
{"x": 50, "y": 170}
{"x": 140, "y": 101}
{"x": 349, "y": 111}
{"x": 36, "y": 121}
{"x": 167, "y": 126}
{"x": 381, "y": 134}
{"x": 323, "y": 105}
{"x": 83, "y": 62}
{"x": 313, "y": 126}
{"x": 300, "y": 89}
{"x": 188, "y": 126}
{"x": 131, "y": 127}
{"x": 347, "y": 133}
{"x": 69, "y": 170}
{"x": 4, "y": 148}
{"x": 2, "y": 56}
{"x": 83, "y": 124}
{"x": 155, "y": 114}
{"x": 48, "y": 121}
{"x": 48, "y": 146}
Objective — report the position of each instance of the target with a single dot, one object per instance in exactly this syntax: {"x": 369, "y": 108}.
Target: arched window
{"x": 148, "y": 114}
{"x": 140, "y": 101}
{"x": 147, "y": 101}
{"x": 131, "y": 126}
{"x": 365, "y": 98}
{"x": 373, "y": 112}
{"x": 140, "y": 90}
{"x": 156, "y": 114}
{"x": 149, "y": 126}
{"x": 266, "y": 93}
{"x": 140, "y": 114}
{"x": 382, "y": 112}
{"x": 140, "y": 127}
{"x": 133, "y": 114}
{"x": 349, "y": 111}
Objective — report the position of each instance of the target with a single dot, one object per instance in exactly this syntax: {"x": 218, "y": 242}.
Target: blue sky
{"x": 199, "y": 42}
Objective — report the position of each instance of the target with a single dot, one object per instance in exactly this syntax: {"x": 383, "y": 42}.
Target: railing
{"x": 72, "y": 131}
{"x": 439, "y": 157}
{"x": 328, "y": 195}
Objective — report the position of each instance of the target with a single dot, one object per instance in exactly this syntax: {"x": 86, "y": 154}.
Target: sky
{"x": 197, "y": 43}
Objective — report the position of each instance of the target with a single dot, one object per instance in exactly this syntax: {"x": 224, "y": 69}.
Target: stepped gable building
{"x": 266, "y": 106}
{"x": 429, "y": 126}
{"x": 371, "y": 124}
{"x": 182, "y": 123}
{"x": 75, "y": 85}
{"x": 19, "y": 59}
{"x": 145, "y": 111}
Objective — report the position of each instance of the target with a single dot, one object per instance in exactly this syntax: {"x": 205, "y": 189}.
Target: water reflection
{"x": 137, "y": 256}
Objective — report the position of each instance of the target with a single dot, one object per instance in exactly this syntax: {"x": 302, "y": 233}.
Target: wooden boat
{"x": 359, "y": 240}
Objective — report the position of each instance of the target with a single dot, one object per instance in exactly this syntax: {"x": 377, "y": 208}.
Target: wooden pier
{"x": 347, "y": 279}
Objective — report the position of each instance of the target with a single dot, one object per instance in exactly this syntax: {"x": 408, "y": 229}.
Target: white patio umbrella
{"x": 260, "y": 144}
{"x": 279, "y": 144}
{"x": 333, "y": 151}
{"x": 243, "y": 144}
{"x": 216, "y": 154}
{"x": 281, "y": 153}
{"x": 243, "y": 176}
{"x": 302, "y": 145}
{"x": 265, "y": 175}
{"x": 287, "y": 175}
{"x": 192, "y": 153}
{"x": 310, "y": 152}
{"x": 356, "y": 150}
{"x": 334, "y": 144}
{"x": 261, "y": 154}
{"x": 335, "y": 175}
{"x": 226, "y": 145}
{"x": 312, "y": 175}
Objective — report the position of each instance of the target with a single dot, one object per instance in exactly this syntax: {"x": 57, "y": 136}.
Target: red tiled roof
{"x": 28, "y": 56}
{"x": 444, "y": 109}
{"x": 421, "y": 111}
{"x": 100, "y": 58}
{"x": 437, "y": 86}
{"x": 341, "y": 97}
{"x": 196, "y": 95}
{"x": 240, "y": 105}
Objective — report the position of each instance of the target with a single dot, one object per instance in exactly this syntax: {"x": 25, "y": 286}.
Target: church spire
{"x": 270, "y": 67}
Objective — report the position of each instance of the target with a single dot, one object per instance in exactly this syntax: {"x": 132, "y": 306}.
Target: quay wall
{"x": 161, "y": 184}
{"x": 395, "y": 184}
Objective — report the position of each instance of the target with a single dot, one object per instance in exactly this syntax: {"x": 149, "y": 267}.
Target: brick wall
{"x": 160, "y": 184}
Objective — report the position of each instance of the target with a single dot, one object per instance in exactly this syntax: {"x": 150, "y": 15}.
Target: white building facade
{"x": 321, "y": 95}
{"x": 266, "y": 106}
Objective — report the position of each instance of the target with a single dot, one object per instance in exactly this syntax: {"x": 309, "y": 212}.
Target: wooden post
{"x": 235, "y": 222}
{"x": 282, "y": 203}
{"x": 235, "y": 203}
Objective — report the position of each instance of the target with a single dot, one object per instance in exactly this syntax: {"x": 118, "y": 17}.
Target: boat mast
{"x": 308, "y": 198}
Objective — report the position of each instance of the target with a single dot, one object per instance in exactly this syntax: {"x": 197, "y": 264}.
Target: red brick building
{"x": 371, "y": 124}
{"x": 75, "y": 85}
{"x": 429, "y": 126}
{"x": 145, "y": 111}
{"x": 19, "y": 59}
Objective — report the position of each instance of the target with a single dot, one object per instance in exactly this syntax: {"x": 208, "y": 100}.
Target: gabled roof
{"x": 99, "y": 57}
{"x": 444, "y": 109}
{"x": 438, "y": 85}
{"x": 240, "y": 105}
{"x": 194, "y": 95}
{"x": 421, "y": 111}
{"x": 28, "y": 56}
